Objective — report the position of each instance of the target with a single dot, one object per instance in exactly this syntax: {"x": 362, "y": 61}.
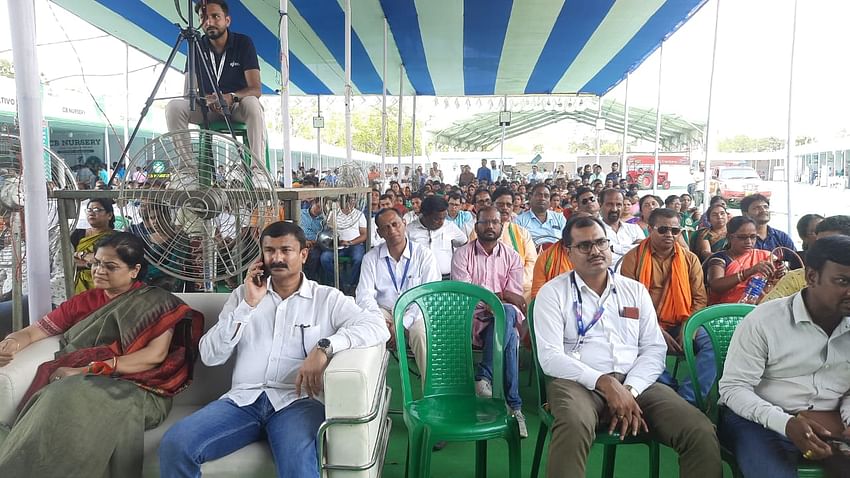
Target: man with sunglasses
{"x": 491, "y": 264}
{"x": 598, "y": 339}
{"x": 673, "y": 276}
{"x": 586, "y": 201}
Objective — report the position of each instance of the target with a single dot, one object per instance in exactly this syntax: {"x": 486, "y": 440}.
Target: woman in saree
{"x": 125, "y": 350}
{"x": 646, "y": 204}
{"x": 729, "y": 271}
{"x": 709, "y": 240}
{"x": 101, "y": 218}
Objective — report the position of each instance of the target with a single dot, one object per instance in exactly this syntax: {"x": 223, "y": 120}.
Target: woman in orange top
{"x": 729, "y": 270}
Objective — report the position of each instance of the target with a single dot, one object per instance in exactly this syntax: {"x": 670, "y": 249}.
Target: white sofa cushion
{"x": 16, "y": 377}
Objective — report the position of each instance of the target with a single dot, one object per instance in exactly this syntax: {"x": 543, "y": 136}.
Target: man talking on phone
{"x": 786, "y": 385}
{"x": 283, "y": 330}
{"x": 236, "y": 69}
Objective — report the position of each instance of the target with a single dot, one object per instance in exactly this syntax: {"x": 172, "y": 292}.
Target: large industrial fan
{"x": 202, "y": 205}
{"x": 12, "y": 203}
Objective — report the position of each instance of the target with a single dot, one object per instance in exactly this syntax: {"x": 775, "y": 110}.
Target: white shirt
{"x": 376, "y": 239}
{"x": 441, "y": 242}
{"x": 634, "y": 347}
{"x": 349, "y": 224}
{"x": 780, "y": 363}
{"x": 377, "y": 290}
{"x": 624, "y": 239}
{"x": 268, "y": 338}
{"x": 410, "y": 216}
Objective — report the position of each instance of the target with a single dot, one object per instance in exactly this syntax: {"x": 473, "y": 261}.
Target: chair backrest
{"x": 538, "y": 372}
{"x": 447, "y": 309}
{"x": 720, "y": 322}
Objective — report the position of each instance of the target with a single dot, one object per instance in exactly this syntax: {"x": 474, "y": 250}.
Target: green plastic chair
{"x": 720, "y": 322}
{"x": 609, "y": 441}
{"x": 240, "y": 130}
{"x": 449, "y": 409}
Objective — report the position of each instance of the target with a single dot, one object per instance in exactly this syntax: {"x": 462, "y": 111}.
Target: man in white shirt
{"x": 786, "y": 380}
{"x": 416, "y": 208}
{"x": 598, "y": 338}
{"x": 432, "y": 230}
{"x": 623, "y": 236}
{"x": 386, "y": 201}
{"x": 495, "y": 172}
{"x": 391, "y": 269}
{"x": 283, "y": 330}
{"x": 534, "y": 176}
{"x": 351, "y": 229}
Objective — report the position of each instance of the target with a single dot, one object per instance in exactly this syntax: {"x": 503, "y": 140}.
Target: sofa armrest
{"x": 355, "y": 409}
{"x": 16, "y": 377}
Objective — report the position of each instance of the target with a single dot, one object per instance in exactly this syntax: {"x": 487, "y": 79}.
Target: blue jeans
{"x": 356, "y": 253}
{"x": 223, "y": 427}
{"x": 511, "y": 361}
{"x": 759, "y": 451}
{"x": 706, "y": 368}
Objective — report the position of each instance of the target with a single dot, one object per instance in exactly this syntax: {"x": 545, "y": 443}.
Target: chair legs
{"x": 514, "y": 455}
{"x": 542, "y": 433}
{"x": 481, "y": 459}
{"x": 418, "y": 454}
{"x": 654, "y": 459}
{"x": 609, "y": 460}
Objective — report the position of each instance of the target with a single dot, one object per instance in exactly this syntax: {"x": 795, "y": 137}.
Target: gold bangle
{"x": 18, "y": 343}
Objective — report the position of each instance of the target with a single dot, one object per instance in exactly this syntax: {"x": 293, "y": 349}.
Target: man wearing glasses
{"x": 586, "y": 201}
{"x": 599, "y": 340}
{"x": 544, "y": 224}
{"x": 491, "y": 264}
{"x": 464, "y": 220}
{"x": 674, "y": 278}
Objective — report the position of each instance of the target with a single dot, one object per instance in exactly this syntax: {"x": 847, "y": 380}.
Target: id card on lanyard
{"x": 581, "y": 328}
{"x": 219, "y": 68}
{"x": 399, "y": 287}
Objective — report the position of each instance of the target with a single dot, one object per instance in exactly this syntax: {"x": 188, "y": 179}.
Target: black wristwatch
{"x": 325, "y": 346}
{"x": 234, "y": 97}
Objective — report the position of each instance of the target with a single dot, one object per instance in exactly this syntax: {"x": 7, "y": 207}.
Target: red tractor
{"x": 643, "y": 178}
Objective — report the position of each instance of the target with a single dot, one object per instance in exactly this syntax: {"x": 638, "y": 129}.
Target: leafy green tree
{"x": 7, "y": 69}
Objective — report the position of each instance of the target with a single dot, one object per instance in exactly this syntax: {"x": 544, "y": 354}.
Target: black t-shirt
{"x": 239, "y": 56}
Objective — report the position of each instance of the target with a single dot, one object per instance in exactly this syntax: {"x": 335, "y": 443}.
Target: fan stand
{"x": 17, "y": 284}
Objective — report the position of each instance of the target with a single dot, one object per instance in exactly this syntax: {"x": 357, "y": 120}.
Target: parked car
{"x": 733, "y": 183}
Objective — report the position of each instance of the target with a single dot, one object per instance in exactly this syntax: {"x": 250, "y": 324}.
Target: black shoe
{"x": 439, "y": 445}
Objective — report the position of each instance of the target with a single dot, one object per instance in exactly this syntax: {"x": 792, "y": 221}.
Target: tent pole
{"x": 707, "y": 136}
{"x": 384, "y": 106}
{"x": 126, "y": 101}
{"x": 502, "y": 139}
{"x": 413, "y": 140}
{"x": 788, "y": 139}
{"x": 598, "y": 131}
{"x": 319, "y": 136}
{"x": 348, "y": 80}
{"x": 625, "y": 129}
{"x": 284, "y": 92}
{"x": 657, "y": 122}
{"x": 400, "y": 104}
{"x": 25, "y": 57}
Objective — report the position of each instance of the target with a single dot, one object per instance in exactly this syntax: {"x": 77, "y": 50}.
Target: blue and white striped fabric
{"x": 448, "y": 47}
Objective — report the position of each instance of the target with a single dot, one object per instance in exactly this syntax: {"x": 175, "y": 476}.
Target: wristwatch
{"x": 234, "y": 97}
{"x": 633, "y": 391}
{"x": 325, "y": 346}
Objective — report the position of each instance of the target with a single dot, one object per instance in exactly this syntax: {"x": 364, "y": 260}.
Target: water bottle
{"x": 753, "y": 291}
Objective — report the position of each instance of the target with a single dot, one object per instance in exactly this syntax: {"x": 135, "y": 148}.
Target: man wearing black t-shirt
{"x": 237, "y": 70}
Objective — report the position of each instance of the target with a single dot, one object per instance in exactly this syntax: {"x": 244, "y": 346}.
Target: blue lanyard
{"x": 391, "y": 269}
{"x": 581, "y": 329}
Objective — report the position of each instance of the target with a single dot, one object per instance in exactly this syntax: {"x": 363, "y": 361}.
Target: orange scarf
{"x": 676, "y": 306}
{"x": 551, "y": 263}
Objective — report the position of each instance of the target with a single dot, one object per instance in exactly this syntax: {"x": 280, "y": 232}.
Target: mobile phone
{"x": 262, "y": 278}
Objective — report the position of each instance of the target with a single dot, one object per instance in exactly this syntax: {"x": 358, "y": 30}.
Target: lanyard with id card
{"x": 581, "y": 328}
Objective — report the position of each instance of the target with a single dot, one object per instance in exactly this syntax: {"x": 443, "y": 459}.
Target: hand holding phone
{"x": 261, "y": 278}
{"x": 255, "y": 283}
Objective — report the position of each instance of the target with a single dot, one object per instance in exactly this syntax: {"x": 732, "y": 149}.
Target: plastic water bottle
{"x": 754, "y": 289}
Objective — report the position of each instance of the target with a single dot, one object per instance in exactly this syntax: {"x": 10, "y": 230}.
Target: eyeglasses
{"x": 493, "y": 222}
{"x": 95, "y": 210}
{"x": 663, "y": 230}
{"x": 108, "y": 266}
{"x": 587, "y": 246}
{"x": 746, "y": 237}
{"x": 588, "y": 200}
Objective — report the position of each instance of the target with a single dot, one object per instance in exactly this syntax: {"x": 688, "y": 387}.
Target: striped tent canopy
{"x": 447, "y": 47}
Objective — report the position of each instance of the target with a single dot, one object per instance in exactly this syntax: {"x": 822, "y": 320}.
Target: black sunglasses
{"x": 588, "y": 200}
{"x": 663, "y": 230}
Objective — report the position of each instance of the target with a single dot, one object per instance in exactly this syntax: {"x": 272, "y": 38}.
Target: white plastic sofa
{"x": 356, "y": 399}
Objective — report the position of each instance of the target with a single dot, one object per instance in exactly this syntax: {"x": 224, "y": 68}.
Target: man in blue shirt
{"x": 312, "y": 222}
{"x": 757, "y": 207}
{"x": 545, "y": 226}
{"x": 483, "y": 173}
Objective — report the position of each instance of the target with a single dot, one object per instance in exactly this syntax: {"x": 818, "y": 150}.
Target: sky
{"x": 750, "y": 87}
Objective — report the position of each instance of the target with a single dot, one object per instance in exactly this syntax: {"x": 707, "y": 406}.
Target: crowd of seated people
{"x": 614, "y": 278}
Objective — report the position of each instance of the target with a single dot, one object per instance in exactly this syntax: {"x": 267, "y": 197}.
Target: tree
{"x": 745, "y": 144}
{"x": 366, "y": 132}
{"x": 7, "y": 69}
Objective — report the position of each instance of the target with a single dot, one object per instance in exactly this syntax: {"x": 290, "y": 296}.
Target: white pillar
{"x": 413, "y": 140}
{"x": 789, "y": 140}
{"x": 400, "y": 103}
{"x": 598, "y": 131}
{"x": 625, "y": 129}
{"x": 25, "y": 57}
{"x": 502, "y": 139}
{"x": 348, "y": 80}
{"x": 384, "y": 107}
{"x": 126, "y": 102}
{"x": 284, "y": 92}
{"x": 319, "y": 137}
{"x": 657, "y": 122}
{"x": 707, "y": 136}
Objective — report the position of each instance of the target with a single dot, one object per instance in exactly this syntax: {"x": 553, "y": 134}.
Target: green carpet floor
{"x": 457, "y": 460}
